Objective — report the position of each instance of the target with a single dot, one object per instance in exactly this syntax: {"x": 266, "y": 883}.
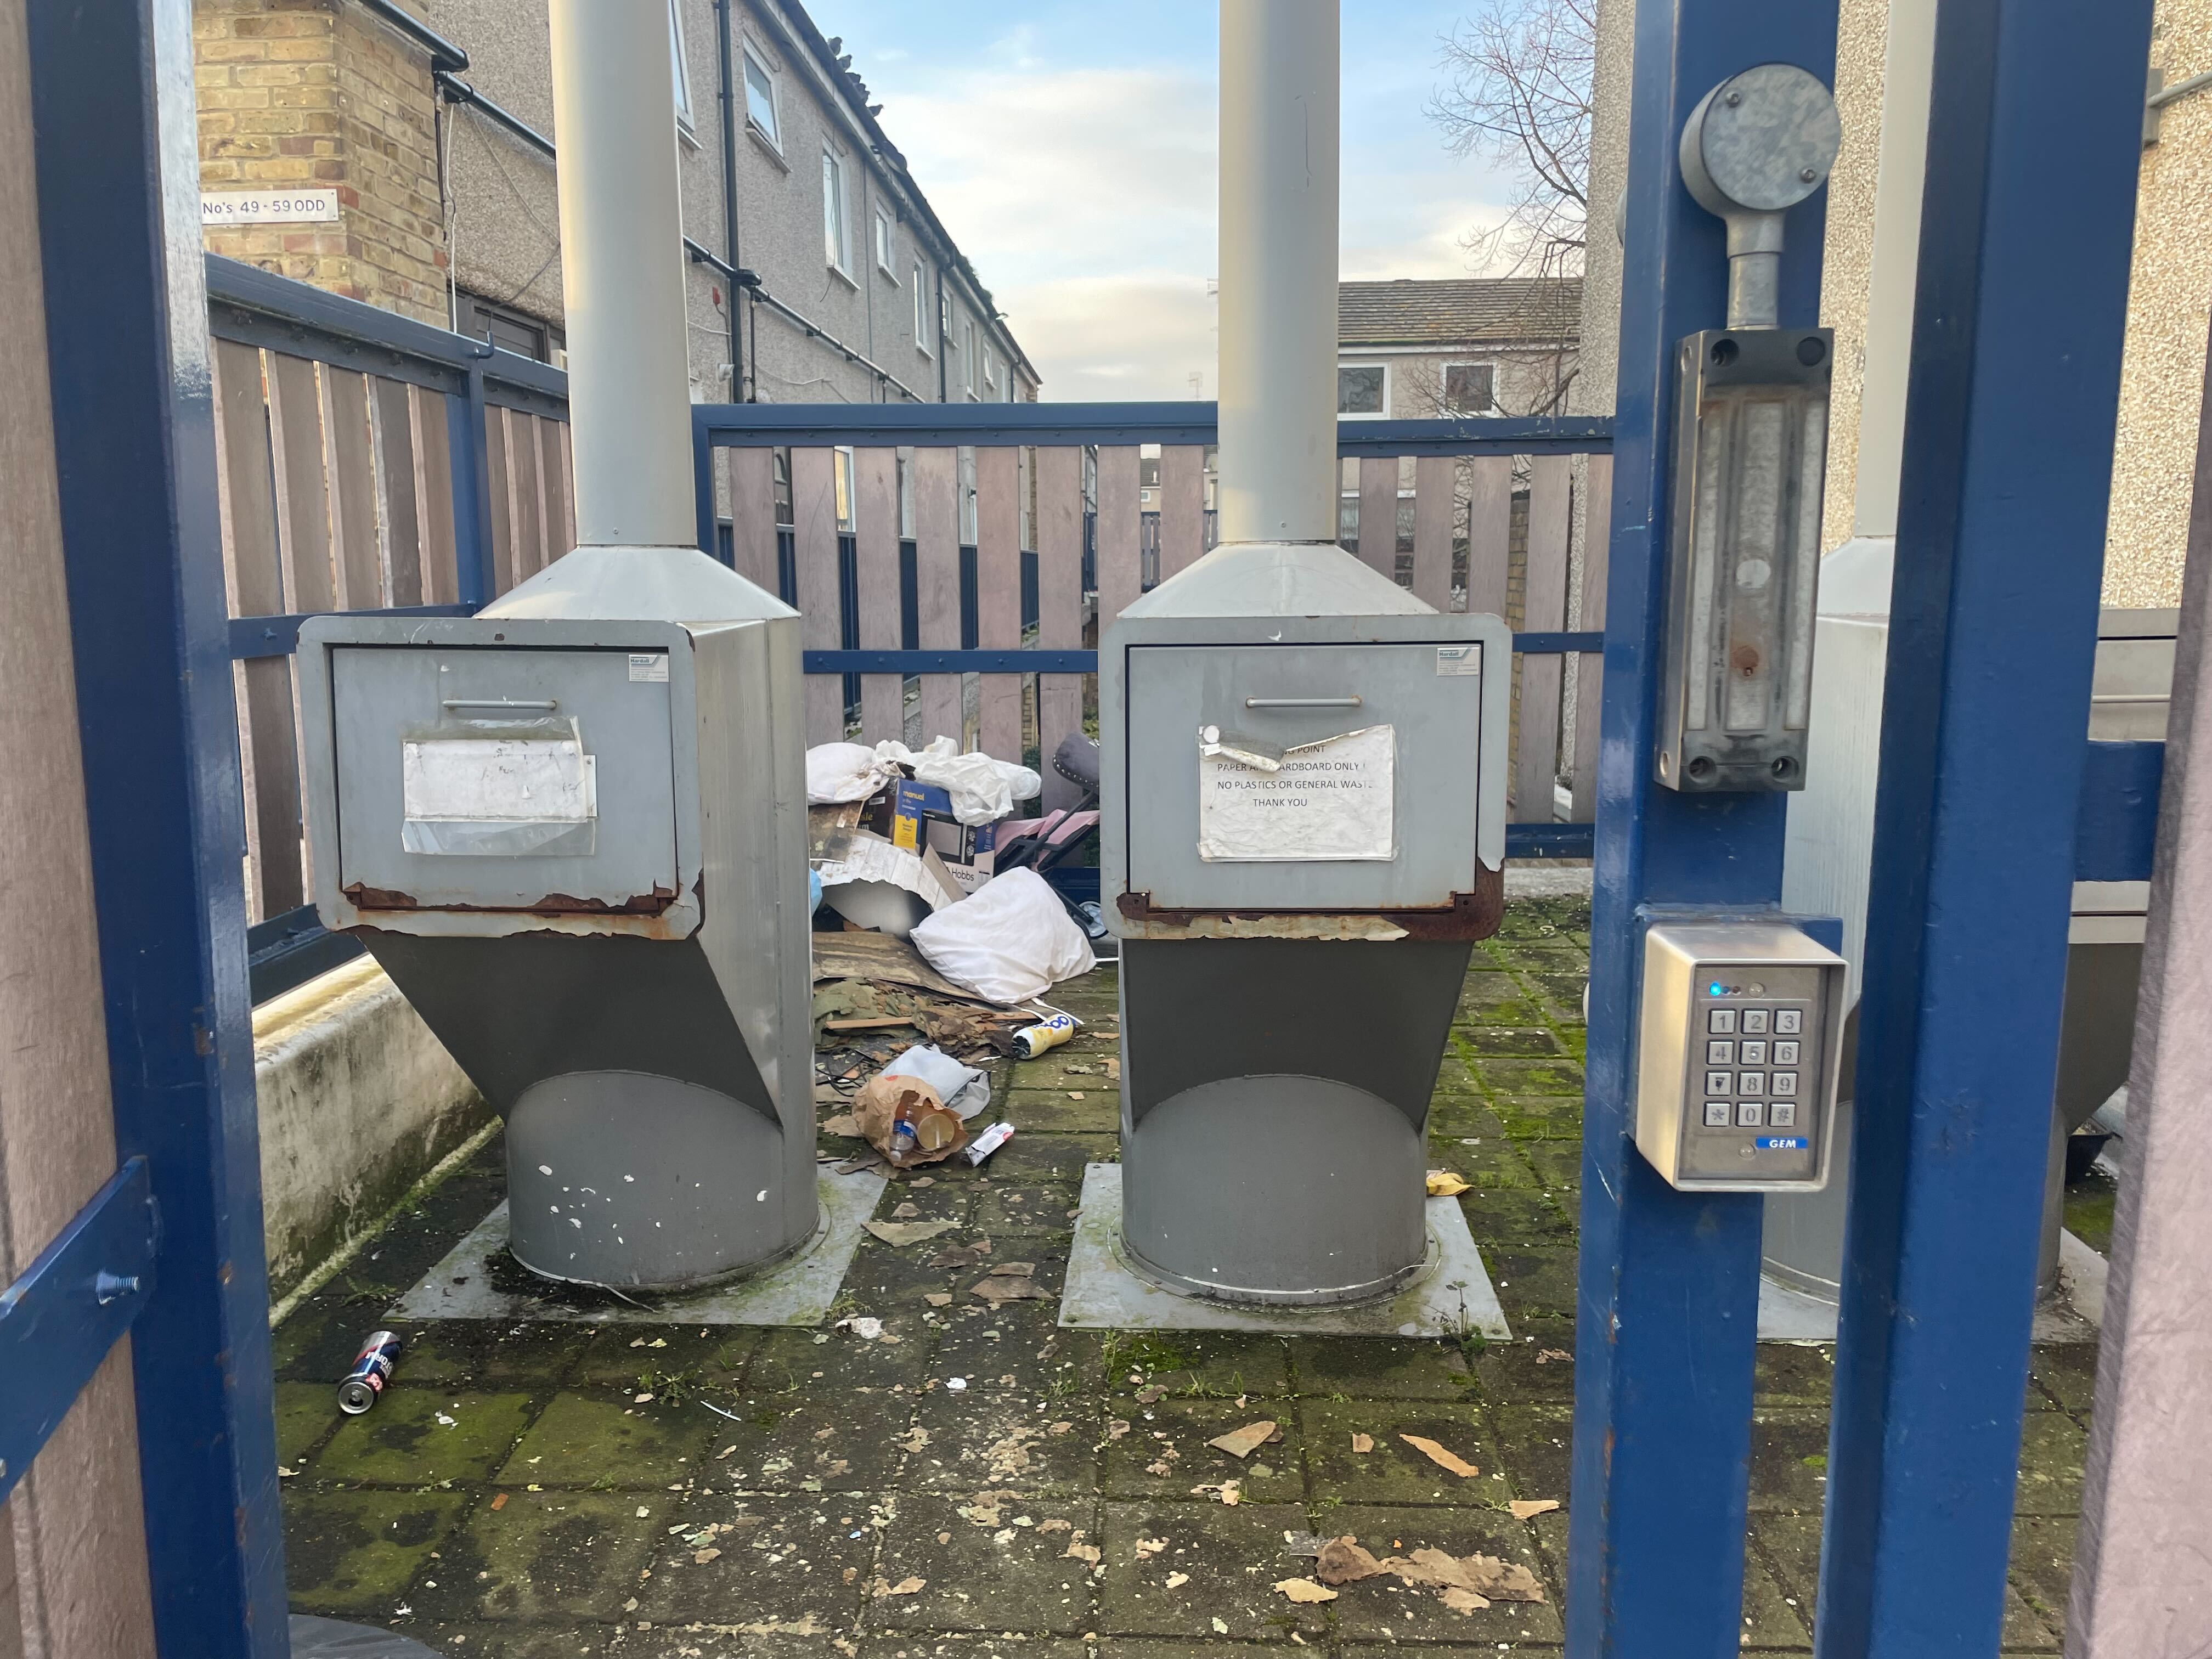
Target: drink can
{"x": 371, "y": 1370}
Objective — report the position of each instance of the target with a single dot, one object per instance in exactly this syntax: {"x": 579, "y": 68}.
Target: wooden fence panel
{"x": 1183, "y": 507}
{"x": 349, "y": 462}
{"x": 1436, "y": 511}
{"x": 527, "y": 513}
{"x": 1489, "y": 533}
{"x": 876, "y": 554}
{"x": 752, "y": 516}
{"x": 1060, "y": 607}
{"x": 1543, "y": 610}
{"x": 936, "y": 574}
{"x": 1120, "y": 544}
{"x": 268, "y": 732}
{"x": 303, "y": 503}
{"x": 1379, "y": 513}
{"x": 395, "y": 467}
{"x": 1589, "y": 666}
{"x": 558, "y": 525}
{"x": 434, "y": 498}
{"x": 998, "y": 593}
{"x": 814, "y": 538}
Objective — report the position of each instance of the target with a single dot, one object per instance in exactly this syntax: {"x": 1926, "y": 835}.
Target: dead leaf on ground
{"x": 1523, "y": 1508}
{"x": 1442, "y": 1458}
{"x": 904, "y": 1586}
{"x": 701, "y": 1557}
{"x": 1442, "y": 1183}
{"x": 1150, "y": 1546}
{"x": 1545, "y": 1356}
{"x": 1003, "y": 1285}
{"x": 963, "y": 1255}
{"x": 914, "y": 1439}
{"x": 1083, "y": 1552}
{"x": 1479, "y": 1575}
{"x": 905, "y": 1210}
{"x": 1177, "y": 1580}
{"x": 938, "y": 1298}
{"x": 1304, "y": 1589}
{"x": 1151, "y": 1395}
{"x": 1243, "y": 1443}
{"x": 1363, "y": 1443}
{"x": 1342, "y": 1561}
{"x": 1463, "y": 1602}
{"x": 843, "y": 1124}
{"x": 903, "y": 1233}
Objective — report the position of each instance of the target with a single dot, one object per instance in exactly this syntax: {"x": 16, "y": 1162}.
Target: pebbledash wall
{"x": 304, "y": 92}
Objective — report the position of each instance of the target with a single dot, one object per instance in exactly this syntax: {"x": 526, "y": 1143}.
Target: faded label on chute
{"x": 1330, "y": 801}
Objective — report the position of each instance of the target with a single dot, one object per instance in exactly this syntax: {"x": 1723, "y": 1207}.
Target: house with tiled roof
{"x": 1475, "y": 345}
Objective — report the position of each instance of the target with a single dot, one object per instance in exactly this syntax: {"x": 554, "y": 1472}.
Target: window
{"x": 968, "y": 358}
{"x": 883, "y": 245}
{"x": 921, "y": 310}
{"x": 760, "y": 101}
{"x": 832, "y": 213}
{"x": 990, "y": 371}
{"x": 841, "y": 475}
{"x": 1363, "y": 389}
{"x": 1470, "y": 388}
{"x": 510, "y": 330}
{"x": 679, "y": 70}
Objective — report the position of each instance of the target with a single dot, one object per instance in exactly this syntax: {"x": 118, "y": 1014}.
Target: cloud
{"x": 1086, "y": 200}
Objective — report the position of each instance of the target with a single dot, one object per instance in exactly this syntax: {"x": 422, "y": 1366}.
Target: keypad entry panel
{"x": 1735, "y": 1089}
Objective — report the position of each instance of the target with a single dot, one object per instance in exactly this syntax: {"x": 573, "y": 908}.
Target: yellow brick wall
{"x": 2169, "y": 303}
{"x": 317, "y": 92}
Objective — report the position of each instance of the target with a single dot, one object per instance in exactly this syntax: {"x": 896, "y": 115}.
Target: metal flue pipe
{"x": 1278, "y": 236}
{"x": 622, "y": 268}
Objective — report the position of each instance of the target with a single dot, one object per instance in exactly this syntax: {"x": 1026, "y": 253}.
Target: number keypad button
{"x": 1783, "y": 1113}
{"x": 1750, "y": 1082}
{"x": 1717, "y": 1115}
{"x": 1718, "y": 1020}
{"x": 1755, "y": 1021}
{"x": 1754, "y": 1051}
{"x": 1785, "y": 1083}
{"x": 1785, "y": 1054}
{"x": 1788, "y": 1022}
{"x": 1720, "y": 1051}
{"x": 1748, "y": 1115}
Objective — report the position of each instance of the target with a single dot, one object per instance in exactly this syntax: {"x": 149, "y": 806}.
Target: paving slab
{"x": 476, "y": 1280}
{"x": 1451, "y": 1298}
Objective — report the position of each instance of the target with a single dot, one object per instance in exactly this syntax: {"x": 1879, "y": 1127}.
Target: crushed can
{"x": 1033, "y": 1040}
{"x": 372, "y": 1369}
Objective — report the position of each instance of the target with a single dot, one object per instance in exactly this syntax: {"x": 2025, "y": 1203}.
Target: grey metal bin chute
{"x": 572, "y": 828}
{"x": 1302, "y": 769}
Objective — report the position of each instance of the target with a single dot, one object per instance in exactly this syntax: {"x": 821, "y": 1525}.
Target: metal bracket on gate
{"x": 59, "y": 1321}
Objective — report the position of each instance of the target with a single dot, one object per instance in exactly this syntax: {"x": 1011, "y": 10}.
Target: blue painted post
{"x": 473, "y": 553}
{"x": 118, "y": 180}
{"x": 2032, "y": 152}
{"x": 1668, "y": 1294}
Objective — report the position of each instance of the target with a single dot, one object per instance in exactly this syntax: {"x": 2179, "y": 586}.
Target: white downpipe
{"x": 1278, "y": 234}
{"x": 622, "y": 268}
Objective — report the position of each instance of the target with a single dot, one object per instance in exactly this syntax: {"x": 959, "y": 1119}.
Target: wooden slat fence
{"x": 364, "y": 462}
{"x": 1469, "y": 516}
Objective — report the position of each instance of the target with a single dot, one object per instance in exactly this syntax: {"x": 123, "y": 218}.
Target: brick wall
{"x": 317, "y": 92}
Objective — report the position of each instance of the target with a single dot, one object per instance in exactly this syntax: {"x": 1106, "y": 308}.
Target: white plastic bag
{"x": 963, "y": 1088}
{"x": 1010, "y": 941}
{"x": 840, "y": 772}
{"x": 983, "y": 790}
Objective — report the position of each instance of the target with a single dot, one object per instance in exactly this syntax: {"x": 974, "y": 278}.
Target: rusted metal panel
{"x": 1470, "y": 915}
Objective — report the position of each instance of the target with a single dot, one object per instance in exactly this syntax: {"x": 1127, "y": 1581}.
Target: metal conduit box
{"x": 1305, "y": 835}
{"x": 577, "y": 846}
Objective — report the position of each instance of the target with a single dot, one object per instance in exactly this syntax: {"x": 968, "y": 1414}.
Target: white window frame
{"x": 1382, "y": 414}
{"x": 679, "y": 70}
{"x": 921, "y": 309}
{"x": 886, "y": 250}
{"x": 771, "y": 135}
{"x": 990, "y": 372}
{"x": 837, "y": 228}
{"x": 967, "y": 359}
{"x": 1443, "y": 383}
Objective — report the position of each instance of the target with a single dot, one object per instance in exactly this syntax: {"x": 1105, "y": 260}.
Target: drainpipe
{"x": 1278, "y": 479}
{"x": 728, "y": 93}
{"x": 621, "y": 265}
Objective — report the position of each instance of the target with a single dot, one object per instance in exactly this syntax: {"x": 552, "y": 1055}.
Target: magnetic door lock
{"x": 1751, "y": 440}
{"x": 1738, "y": 1055}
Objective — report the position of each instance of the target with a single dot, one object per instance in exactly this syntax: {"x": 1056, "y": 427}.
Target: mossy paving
{"x": 541, "y": 1489}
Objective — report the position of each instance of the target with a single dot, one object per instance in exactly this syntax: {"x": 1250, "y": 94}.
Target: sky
{"x": 1070, "y": 148}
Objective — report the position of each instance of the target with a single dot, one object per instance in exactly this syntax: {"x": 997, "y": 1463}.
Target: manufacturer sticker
{"x": 1781, "y": 1143}
{"x": 1459, "y": 659}
{"x": 648, "y": 666}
